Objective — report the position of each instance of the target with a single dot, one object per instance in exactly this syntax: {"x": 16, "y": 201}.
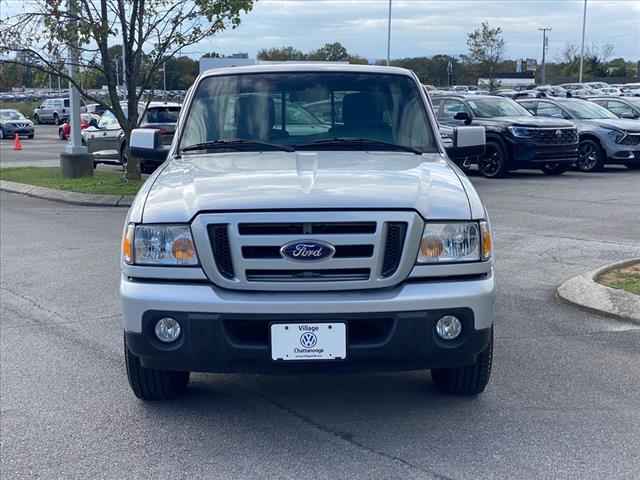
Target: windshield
{"x": 496, "y": 107}
{"x": 11, "y": 115}
{"x": 586, "y": 110}
{"x": 301, "y": 109}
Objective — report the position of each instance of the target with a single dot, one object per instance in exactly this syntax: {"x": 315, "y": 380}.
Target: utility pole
{"x": 74, "y": 161}
{"x": 584, "y": 28}
{"x": 389, "y": 36}
{"x": 545, "y": 44}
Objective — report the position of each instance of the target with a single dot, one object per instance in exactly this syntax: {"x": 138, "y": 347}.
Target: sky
{"x": 423, "y": 27}
{"x": 428, "y": 27}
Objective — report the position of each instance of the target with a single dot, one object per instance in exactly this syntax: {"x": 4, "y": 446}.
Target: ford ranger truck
{"x": 307, "y": 219}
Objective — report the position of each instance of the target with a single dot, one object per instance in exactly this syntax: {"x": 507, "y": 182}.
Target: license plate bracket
{"x": 305, "y": 342}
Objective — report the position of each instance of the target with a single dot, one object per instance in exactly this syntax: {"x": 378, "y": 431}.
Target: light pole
{"x": 389, "y": 36}
{"x": 74, "y": 161}
{"x": 584, "y": 27}
{"x": 543, "y": 75}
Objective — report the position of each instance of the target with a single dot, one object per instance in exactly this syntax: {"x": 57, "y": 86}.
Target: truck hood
{"x": 305, "y": 180}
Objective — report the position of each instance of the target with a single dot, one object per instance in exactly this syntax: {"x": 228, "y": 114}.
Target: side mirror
{"x": 467, "y": 142}
{"x": 463, "y": 117}
{"x": 629, "y": 115}
{"x": 145, "y": 143}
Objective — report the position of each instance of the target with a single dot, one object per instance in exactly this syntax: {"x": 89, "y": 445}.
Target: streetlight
{"x": 584, "y": 27}
{"x": 543, "y": 75}
{"x": 389, "y": 36}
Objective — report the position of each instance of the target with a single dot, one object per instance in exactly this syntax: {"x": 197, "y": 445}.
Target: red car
{"x": 86, "y": 120}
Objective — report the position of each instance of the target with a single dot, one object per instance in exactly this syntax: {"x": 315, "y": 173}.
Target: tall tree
{"x": 281, "y": 54}
{"x": 151, "y": 31}
{"x": 486, "y": 48}
{"x": 330, "y": 52}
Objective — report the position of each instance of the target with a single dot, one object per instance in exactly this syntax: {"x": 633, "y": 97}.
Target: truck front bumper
{"x": 387, "y": 329}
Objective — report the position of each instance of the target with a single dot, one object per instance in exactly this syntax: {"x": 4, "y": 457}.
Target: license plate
{"x": 308, "y": 341}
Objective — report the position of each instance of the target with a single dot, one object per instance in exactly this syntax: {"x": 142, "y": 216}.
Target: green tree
{"x": 150, "y": 31}
{"x": 281, "y": 54}
{"x": 330, "y": 52}
{"x": 486, "y": 49}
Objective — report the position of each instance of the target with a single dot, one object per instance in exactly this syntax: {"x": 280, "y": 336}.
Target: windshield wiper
{"x": 358, "y": 142}
{"x": 237, "y": 144}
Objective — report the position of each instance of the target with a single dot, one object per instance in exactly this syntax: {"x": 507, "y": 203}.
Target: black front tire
{"x": 36, "y": 119}
{"x": 56, "y": 119}
{"x": 591, "y": 157}
{"x": 555, "y": 168}
{"x": 469, "y": 380}
{"x": 632, "y": 166}
{"x": 494, "y": 162}
{"x": 150, "y": 384}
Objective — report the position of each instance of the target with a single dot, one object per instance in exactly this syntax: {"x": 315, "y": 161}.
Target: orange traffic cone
{"x": 16, "y": 144}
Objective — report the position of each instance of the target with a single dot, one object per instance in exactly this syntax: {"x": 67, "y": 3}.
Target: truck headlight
{"x": 455, "y": 242}
{"x": 162, "y": 245}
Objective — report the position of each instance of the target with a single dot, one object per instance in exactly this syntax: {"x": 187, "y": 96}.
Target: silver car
{"x": 53, "y": 110}
{"x": 106, "y": 141}
{"x": 604, "y": 137}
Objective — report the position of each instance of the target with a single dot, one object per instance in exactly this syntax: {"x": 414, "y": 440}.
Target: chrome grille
{"x": 372, "y": 249}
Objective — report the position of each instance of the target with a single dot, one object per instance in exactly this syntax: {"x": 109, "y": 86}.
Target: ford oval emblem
{"x": 307, "y": 250}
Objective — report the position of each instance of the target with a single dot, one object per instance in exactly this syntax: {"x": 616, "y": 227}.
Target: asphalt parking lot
{"x": 564, "y": 401}
{"x": 42, "y": 151}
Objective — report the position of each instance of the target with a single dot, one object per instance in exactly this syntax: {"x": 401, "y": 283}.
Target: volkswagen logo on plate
{"x": 307, "y": 250}
{"x": 308, "y": 340}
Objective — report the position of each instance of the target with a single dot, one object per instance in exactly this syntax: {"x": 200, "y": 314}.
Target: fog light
{"x": 167, "y": 330}
{"x": 448, "y": 327}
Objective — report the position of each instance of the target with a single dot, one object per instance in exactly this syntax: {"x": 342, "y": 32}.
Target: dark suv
{"x": 515, "y": 138}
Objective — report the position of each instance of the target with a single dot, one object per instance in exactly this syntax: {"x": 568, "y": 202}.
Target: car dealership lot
{"x": 42, "y": 151}
{"x": 563, "y": 401}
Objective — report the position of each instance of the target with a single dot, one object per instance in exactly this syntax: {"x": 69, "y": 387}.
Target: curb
{"x": 584, "y": 291}
{"x": 64, "y": 196}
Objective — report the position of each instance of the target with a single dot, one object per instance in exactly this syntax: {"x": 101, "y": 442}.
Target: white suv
{"x": 276, "y": 239}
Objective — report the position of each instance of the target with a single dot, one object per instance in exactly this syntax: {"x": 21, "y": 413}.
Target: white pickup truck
{"x": 307, "y": 219}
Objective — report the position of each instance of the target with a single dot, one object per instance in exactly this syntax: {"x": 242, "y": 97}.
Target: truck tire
{"x": 56, "y": 119}
{"x": 36, "y": 119}
{"x": 150, "y": 384}
{"x": 468, "y": 380}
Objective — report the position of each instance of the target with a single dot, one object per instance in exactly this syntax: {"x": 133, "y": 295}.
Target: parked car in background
{"x": 13, "y": 122}
{"x": 623, "y": 107}
{"x": 106, "y": 141}
{"x": 95, "y": 108}
{"x": 604, "y": 137}
{"x": 631, "y": 89}
{"x": 514, "y": 137}
{"x": 86, "y": 120}
{"x": 54, "y": 110}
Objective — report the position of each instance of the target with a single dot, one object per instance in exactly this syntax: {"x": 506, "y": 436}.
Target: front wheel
{"x": 56, "y": 119}
{"x": 61, "y": 134}
{"x": 36, "y": 119}
{"x": 590, "y": 156}
{"x": 554, "y": 168}
{"x": 150, "y": 384}
{"x": 468, "y": 380}
{"x": 494, "y": 162}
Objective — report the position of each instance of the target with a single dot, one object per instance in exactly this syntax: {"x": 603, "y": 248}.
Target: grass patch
{"x": 627, "y": 279}
{"x": 102, "y": 182}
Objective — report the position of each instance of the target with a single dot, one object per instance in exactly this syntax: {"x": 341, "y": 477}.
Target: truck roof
{"x": 306, "y": 67}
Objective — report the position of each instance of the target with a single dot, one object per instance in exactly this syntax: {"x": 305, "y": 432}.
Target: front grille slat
{"x": 307, "y": 228}
{"x": 396, "y": 232}
{"x": 219, "y": 237}
{"x": 292, "y": 275}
